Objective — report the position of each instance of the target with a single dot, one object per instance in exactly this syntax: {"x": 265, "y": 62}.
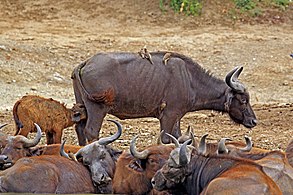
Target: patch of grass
{"x": 245, "y": 5}
{"x": 189, "y": 7}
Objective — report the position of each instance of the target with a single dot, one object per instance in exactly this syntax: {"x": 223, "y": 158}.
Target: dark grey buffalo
{"x": 128, "y": 85}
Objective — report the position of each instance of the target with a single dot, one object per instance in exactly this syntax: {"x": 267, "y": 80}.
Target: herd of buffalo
{"x": 164, "y": 85}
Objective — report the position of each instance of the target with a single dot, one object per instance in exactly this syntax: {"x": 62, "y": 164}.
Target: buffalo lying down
{"x": 46, "y": 174}
{"x": 56, "y": 174}
{"x": 192, "y": 172}
{"x": 129, "y": 86}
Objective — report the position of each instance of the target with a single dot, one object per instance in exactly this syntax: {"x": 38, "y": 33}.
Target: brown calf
{"x": 49, "y": 114}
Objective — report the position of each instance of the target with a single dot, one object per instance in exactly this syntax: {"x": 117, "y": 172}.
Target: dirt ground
{"x": 42, "y": 41}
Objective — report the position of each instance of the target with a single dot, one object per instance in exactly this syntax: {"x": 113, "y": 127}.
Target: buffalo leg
{"x": 49, "y": 137}
{"x": 80, "y": 126}
{"x": 57, "y": 135}
{"x": 170, "y": 124}
{"x": 95, "y": 120}
{"x": 79, "y": 129}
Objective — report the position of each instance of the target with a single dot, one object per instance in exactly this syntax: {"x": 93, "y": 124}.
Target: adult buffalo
{"x": 189, "y": 173}
{"x": 128, "y": 85}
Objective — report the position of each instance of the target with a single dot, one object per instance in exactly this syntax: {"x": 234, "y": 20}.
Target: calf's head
{"x": 78, "y": 112}
{"x": 238, "y": 100}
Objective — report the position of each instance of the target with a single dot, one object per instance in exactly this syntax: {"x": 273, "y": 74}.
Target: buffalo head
{"x": 174, "y": 171}
{"x": 78, "y": 113}
{"x": 238, "y": 103}
{"x": 17, "y": 147}
{"x": 100, "y": 159}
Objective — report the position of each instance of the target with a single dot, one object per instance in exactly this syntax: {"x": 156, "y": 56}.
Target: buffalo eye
{"x": 102, "y": 155}
{"x": 76, "y": 114}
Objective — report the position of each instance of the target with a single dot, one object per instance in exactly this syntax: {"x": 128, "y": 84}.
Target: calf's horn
{"x": 30, "y": 143}
{"x": 107, "y": 140}
{"x": 140, "y": 155}
{"x": 232, "y": 80}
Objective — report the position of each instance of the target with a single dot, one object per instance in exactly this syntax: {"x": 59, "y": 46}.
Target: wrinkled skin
{"x": 46, "y": 174}
{"x": 121, "y": 84}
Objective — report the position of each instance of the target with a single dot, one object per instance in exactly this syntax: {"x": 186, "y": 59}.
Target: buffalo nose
{"x": 254, "y": 122}
{"x": 3, "y": 158}
{"x": 153, "y": 182}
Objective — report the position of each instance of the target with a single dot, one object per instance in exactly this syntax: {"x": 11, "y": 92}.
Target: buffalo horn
{"x": 159, "y": 140}
{"x": 140, "y": 155}
{"x": 3, "y": 125}
{"x": 62, "y": 151}
{"x": 183, "y": 158}
{"x": 232, "y": 80}
{"x": 202, "y": 144}
{"x": 248, "y": 146}
{"x": 30, "y": 143}
{"x": 107, "y": 140}
{"x": 222, "y": 147}
{"x": 176, "y": 142}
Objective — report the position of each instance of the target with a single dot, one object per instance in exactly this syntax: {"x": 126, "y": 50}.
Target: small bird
{"x": 166, "y": 58}
{"x": 141, "y": 53}
{"x": 291, "y": 55}
{"x": 144, "y": 53}
{"x": 147, "y": 55}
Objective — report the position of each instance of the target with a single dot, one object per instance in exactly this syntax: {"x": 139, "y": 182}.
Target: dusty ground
{"x": 42, "y": 41}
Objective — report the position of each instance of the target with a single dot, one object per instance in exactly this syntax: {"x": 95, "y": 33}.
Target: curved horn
{"x": 202, "y": 148}
{"x": 248, "y": 146}
{"x": 222, "y": 147}
{"x": 159, "y": 139}
{"x": 140, "y": 155}
{"x": 176, "y": 142}
{"x": 232, "y": 80}
{"x": 107, "y": 140}
{"x": 62, "y": 151}
{"x": 194, "y": 142}
{"x": 30, "y": 143}
{"x": 3, "y": 125}
{"x": 183, "y": 158}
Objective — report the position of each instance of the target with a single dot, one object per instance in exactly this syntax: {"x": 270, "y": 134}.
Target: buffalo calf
{"x": 49, "y": 114}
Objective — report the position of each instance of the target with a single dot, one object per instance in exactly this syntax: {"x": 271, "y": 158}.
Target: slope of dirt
{"x": 42, "y": 41}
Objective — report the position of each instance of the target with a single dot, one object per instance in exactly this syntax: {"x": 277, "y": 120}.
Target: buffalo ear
{"x": 37, "y": 151}
{"x": 136, "y": 165}
{"x": 114, "y": 153}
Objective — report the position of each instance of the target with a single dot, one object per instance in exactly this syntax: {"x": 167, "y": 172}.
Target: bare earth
{"x": 42, "y": 41}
